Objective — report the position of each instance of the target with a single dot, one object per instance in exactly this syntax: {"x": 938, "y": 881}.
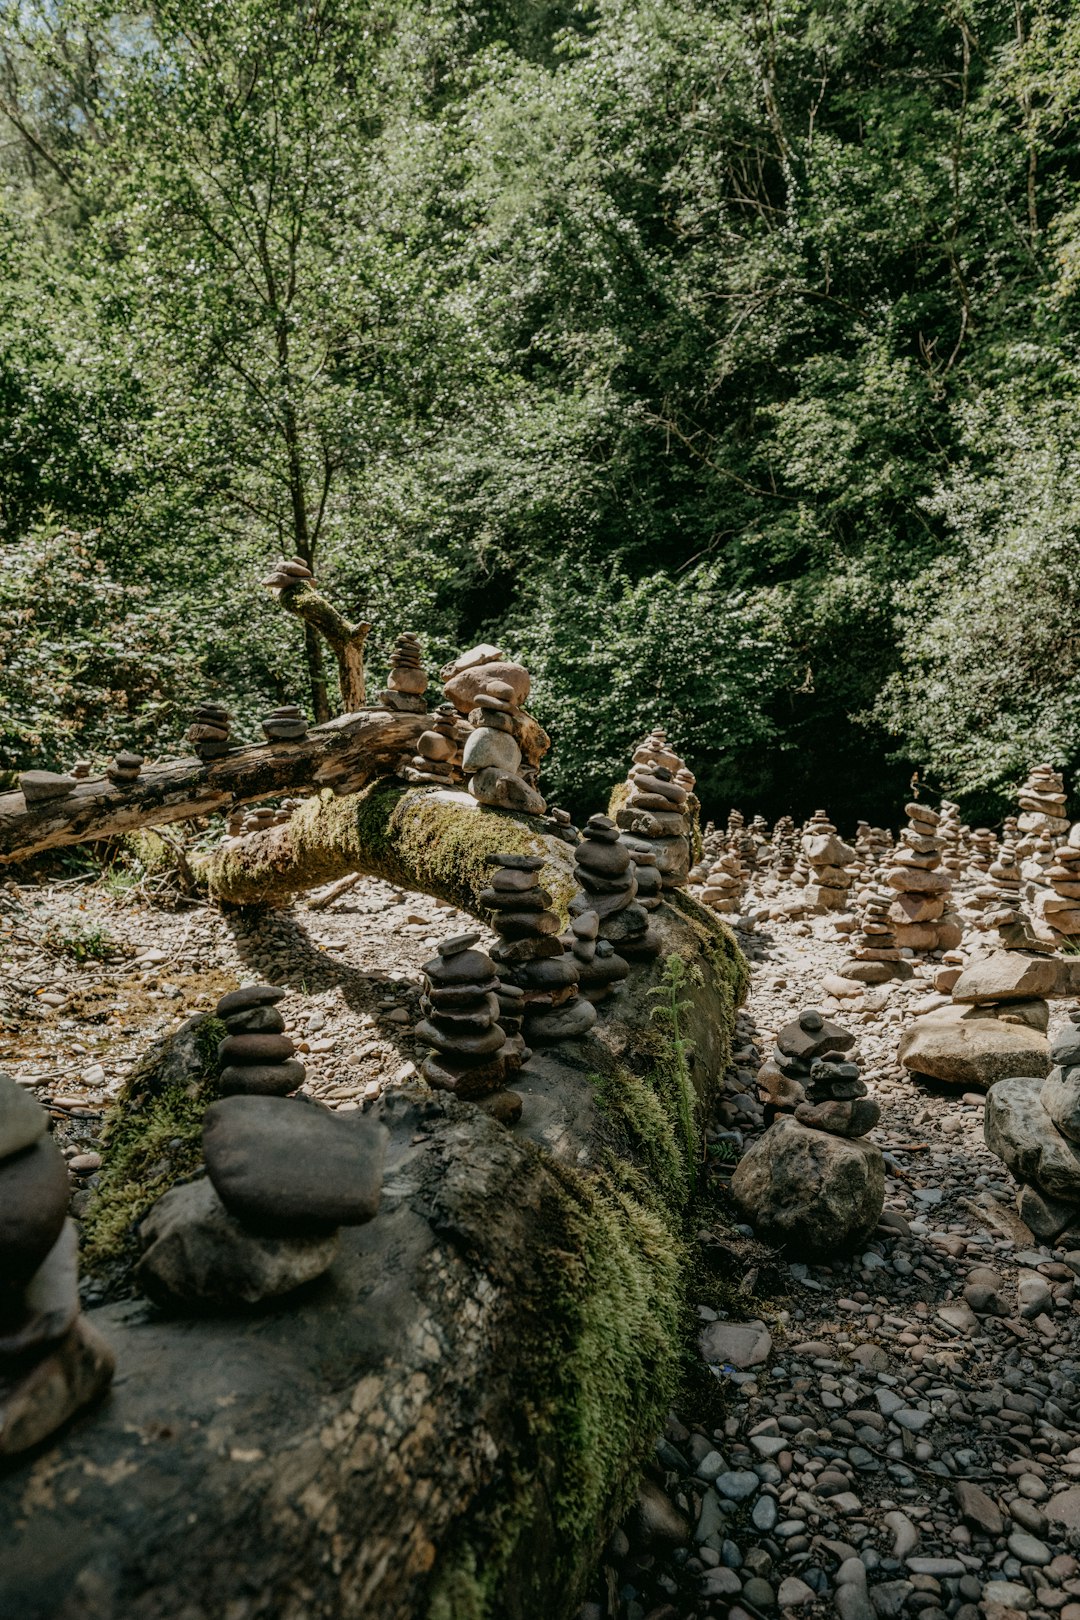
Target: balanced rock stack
{"x": 810, "y": 1184}
{"x": 875, "y": 957}
{"x": 288, "y": 572}
{"x": 1057, "y": 909}
{"x": 783, "y": 1077}
{"x": 919, "y": 904}
{"x": 530, "y": 956}
{"x": 39, "y": 787}
{"x": 657, "y": 807}
{"x": 408, "y": 679}
{"x": 439, "y": 750}
{"x": 983, "y": 848}
{"x": 995, "y": 1026}
{"x": 559, "y": 824}
{"x": 784, "y": 844}
{"x": 1042, "y": 806}
{"x": 285, "y": 724}
{"x": 256, "y": 1057}
{"x": 997, "y": 897}
{"x": 81, "y": 769}
{"x": 600, "y": 968}
{"x": 502, "y": 754}
{"x": 606, "y": 873}
{"x": 52, "y": 1362}
{"x": 724, "y": 883}
{"x": 1034, "y": 1126}
{"x": 650, "y": 884}
{"x": 828, "y": 858}
{"x": 208, "y": 732}
{"x": 473, "y": 1055}
{"x": 283, "y": 1174}
{"x": 124, "y": 767}
{"x": 949, "y": 831}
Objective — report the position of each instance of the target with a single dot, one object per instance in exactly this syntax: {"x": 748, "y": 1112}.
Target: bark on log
{"x": 431, "y": 840}
{"x": 449, "y": 1423}
{"x": 344, "y": 755}
{"x": 346, "y": 640}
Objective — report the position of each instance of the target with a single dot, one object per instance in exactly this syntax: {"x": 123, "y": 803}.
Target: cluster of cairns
{"x": 811, "y": 1185}
{"x": 465, "y": 1009}
{"x": 208, "y": 733}
{"x": 531, "y": 960}
{"x": 502, "y": 753}
{"x": 829, "y": 860}
{"x": 262, "y": 817}
{"x": 1056, "y": 908}
{"x": 285, "y": 724}
{"x": 408, "y": 679}
{"x": 993, "y": 1027}
{"x": 439, "y": 750}
{"x": 658, "y": 807}
{"x": 1042, "y": 806}
{"x": 288, "y": 572}
{"x": 921, "y": 884}
{"x": 52, "y": 1362}
{"x": 1033, "y": 1125}
{"x": 606, "y": 870}
{"x": 283, "y": 1175}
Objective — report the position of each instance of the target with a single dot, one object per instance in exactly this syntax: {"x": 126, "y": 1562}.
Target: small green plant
{"x": 723, "y": 1152}
{"x": 672, "y": 1006}
{"x": 85, "y": 941}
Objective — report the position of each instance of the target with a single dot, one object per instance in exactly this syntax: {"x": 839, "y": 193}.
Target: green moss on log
{"x": 152, "y": 1141}
{"x": 604, "y": 1319}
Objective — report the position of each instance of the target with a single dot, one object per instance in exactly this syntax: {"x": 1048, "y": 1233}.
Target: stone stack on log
{"x": 283, "y": 1175}
{"x": 287, "y": 572}
{"x": 502, "y": 753}
{"x": 124, "y": 767}
{"x": 288, "y": 723}
{"x": 811, "y": 1185}
{"x": 530, "y": 956}
{"x": 408, "y": 679}
{"x": 658, "y": 807}
{"x": 52, "y": 1362}
{"x": 829, "y": 859}
{"x": 1033, "y": 1125}
{"x": 209, "y": 731}
{"x": 439, "y": 751}
{"x": 724, "y": 884}
{"x": 606, "y": 873}
{"x": 473, "y": 1056}
{"x": 919, "y": 911}
{"x": 994, "y": 1027}
{"x": 600, "y": 968}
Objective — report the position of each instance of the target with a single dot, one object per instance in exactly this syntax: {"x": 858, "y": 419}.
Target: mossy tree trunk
{"x": 431, "y": 840}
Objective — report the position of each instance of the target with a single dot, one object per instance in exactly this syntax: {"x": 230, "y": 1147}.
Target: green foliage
{"x": 676, "y": 346}
{"x": 83, "y": 941}
{"x": 671, "y": 1009}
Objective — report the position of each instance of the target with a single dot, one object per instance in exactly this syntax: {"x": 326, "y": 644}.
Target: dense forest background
{"x": 717, "y": 357}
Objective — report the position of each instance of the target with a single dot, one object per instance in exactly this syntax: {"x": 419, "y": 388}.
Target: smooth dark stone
{"x": 34, "y": 1192}
{"x": 286, "y": 1167}
{"x": 22, "y": 1120}
{"x": 252, "y": 995}
{"x": 255, "y": 1021}
{"x": 255, "y": 1049}
{"x": 261, "y": 1079}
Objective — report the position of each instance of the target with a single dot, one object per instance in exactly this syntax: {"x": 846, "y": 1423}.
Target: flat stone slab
{"x": 735, "y": 1344}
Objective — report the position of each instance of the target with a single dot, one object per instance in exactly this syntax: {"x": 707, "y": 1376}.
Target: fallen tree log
{"x": 345, "y": 754}
{"x": 448, "y": 1424}
{"x": 431, "y": 840}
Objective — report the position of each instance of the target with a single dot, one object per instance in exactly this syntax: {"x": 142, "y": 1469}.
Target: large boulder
{"x": 808, "y": 1192}
{"x": 1019, "y": 1130}
{"x": 1007, "y": 976}
{"x": 958, "y": 1045}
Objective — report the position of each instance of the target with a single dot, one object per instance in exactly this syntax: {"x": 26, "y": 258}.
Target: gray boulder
{"x": 1061, "y": 1099}
{"x": 1007, "y": 976}
{"x": 1019, "y": 1130}
{"x": 966, "y": 1047}
{"x": 810, "y": 1193}
{"x": 196, "y": 1253}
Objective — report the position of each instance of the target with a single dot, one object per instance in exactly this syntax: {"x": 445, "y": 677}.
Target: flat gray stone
{"x": 22, "y": 1120}
{"x": 735, "y": 1344}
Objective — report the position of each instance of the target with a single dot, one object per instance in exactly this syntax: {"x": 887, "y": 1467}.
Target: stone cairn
{"x": 530, "y": 958}
{"x": 52, "y": 1362}
{"x": 658, "y": 809}
{"x": 288, "y": 572}
{"x": 724, "y": 884}
{"x": 605, "y": 872}
{"x": 283, "y": 1175}
{"x": 40, "y": 787}
{"x": 502, "y": 753}
{"x": 285, "y": 724}
{"x": 783, "y": 1077}
{"x": 828, "y": 858}
{"x": 1058, "y": 909}
{"x": 650, "y": 883}
{"x": 811, "y": 1184}
{"x": 124, "y": 767}
{"x": 1033, "y": 1125}
{"x": 996, "y": 899}
{"x": 915, "y": 873}
{"x": 994, "y": 1026}
{"x": 257, "y": 1058}
{"x": 784, "y": 844}
{"x": 438, "y": 757}
{"x": 875, "y": 956}
{"x": 81, "y": 769}
{"x": 408, "y": 679}
{"x": 949, "y": 831}
{"x": 473, "y": 1055}
{"x": 1042, "y": 807}
{"x": 208, "y": 732}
